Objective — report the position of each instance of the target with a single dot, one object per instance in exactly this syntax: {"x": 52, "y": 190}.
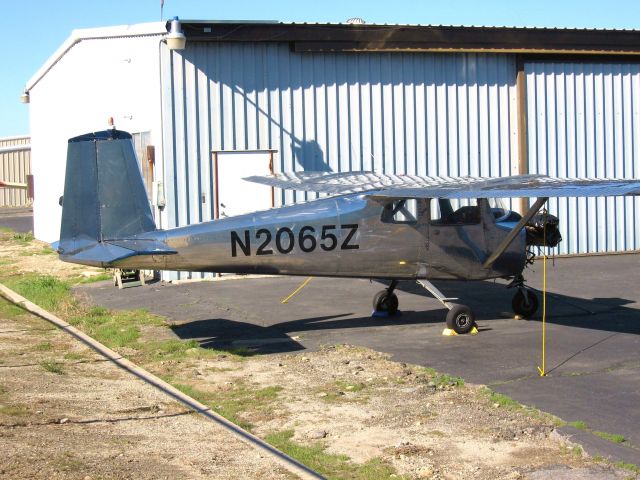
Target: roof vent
{"x": 356, "y": 21}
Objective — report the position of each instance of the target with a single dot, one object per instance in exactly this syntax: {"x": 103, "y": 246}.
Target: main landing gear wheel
{"x": 525, "y": 306}
{"x": 461, "y": 319}
{"x": 386, "y": 302}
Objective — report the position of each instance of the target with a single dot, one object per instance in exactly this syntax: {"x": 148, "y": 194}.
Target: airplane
{"x": 364, "y": 225}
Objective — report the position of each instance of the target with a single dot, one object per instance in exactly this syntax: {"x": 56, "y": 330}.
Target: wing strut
{"x": 535, "y": 208}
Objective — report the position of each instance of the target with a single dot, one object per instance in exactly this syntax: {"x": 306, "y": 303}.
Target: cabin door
{"x": 456, "y": 244}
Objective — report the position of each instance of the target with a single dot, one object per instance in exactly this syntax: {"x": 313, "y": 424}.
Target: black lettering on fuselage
{"x": 285, "y": 240}
{"x": 290, "y": 240}
{"x": 262, "y": 249}
{"x": 235, "y": 242}
{"x": 353, "y": 228}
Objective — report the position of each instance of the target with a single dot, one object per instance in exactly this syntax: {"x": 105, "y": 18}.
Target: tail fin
{"x": 105, "y": 207}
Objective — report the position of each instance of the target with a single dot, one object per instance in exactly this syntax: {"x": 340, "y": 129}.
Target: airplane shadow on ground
{"x": 488, "y": 299}
{"x": 248, "y": 338}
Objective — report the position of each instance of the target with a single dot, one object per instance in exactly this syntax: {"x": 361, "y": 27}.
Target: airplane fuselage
{"x": 344, "y": 236}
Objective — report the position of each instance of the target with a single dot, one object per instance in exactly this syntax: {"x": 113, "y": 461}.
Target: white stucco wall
{"x": 87, "y": 81}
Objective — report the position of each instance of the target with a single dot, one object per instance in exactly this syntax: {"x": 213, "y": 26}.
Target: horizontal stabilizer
{"x": 104, "y": 254}
{"x": 143, "y": 246}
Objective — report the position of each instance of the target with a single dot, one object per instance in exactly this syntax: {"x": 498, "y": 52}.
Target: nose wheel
{"x": 525, "y": 301}
{"x": 385, "y": 302}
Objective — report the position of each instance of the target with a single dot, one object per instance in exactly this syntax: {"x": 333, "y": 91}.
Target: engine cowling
{"x": 543, "y": 230}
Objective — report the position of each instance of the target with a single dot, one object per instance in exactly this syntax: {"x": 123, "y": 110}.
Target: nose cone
{"x": 543, "y": 231}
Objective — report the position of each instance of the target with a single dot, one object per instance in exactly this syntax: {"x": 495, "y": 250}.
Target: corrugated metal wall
{"x": 433, "y": 114}
{"x": 584, "y": 121}
{"x": 15, "y": 165}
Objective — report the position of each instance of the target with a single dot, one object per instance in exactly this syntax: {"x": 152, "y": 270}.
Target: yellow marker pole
{"x": 292, "y": 294}
{"x": 544, "y": 315}
{"x": 542, "y": 370}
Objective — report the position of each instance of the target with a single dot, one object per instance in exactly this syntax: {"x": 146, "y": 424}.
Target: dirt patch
{"x": 23, "y": 254}
{"x": 358, "y": 403}
{"x": 67, "y": 413}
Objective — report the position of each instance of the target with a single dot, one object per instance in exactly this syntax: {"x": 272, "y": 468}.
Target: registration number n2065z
{"x": 284, "y": 240}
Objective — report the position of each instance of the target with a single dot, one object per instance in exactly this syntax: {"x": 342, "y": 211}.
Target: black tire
{"x": 520, "y": 306}
{"x": 383, "y": 302}
{"x": 461, "y": 319}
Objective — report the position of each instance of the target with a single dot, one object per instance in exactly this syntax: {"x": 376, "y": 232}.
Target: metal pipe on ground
{"x": 287, "y": 462}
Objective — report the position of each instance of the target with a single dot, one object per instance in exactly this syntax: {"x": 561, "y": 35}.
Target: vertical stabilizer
{"x": 105, "y": 200}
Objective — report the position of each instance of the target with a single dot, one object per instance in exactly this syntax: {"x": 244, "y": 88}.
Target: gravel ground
{"x": 67, "y": 413}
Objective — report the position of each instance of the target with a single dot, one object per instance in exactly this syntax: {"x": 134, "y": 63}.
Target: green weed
{"x": 68, "y": 462}
{"x": 23, "y": 238}
{"x": 439, "y": 379}
{"x": 241, "y": 400}
{"x": 45, "y": 291}
{"x": 632, "y": 467}
{"x": 337, "y": 391}
{"x": 43, "y": 347}
{"x": 448, "y": 380}
{"x": 117, "y": 328}
{"x": 46, "y": 250}
{"x": 503, "y": 400}
{"x": 10, "y": 311}
{"x": 74, "y": 356}
{"x": 579, "y": 424}
{"x": 14, "y": 410}
{"x": 53, "y": 367}
{"x": 93, "y": 278}
{"x": 612, "y": 437}
{"x": 332, "y": 466}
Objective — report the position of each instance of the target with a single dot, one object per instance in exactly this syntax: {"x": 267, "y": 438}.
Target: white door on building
{"x": 235, "y": 196}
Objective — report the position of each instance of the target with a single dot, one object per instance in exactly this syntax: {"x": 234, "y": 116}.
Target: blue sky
{"x": 33, "y": 29}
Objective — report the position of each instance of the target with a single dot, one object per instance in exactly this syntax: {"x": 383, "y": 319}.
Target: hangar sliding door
{"x": 583, "y": 120}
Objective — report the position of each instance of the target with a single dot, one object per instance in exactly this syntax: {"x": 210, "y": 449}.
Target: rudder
{"x": 105, "y": 201}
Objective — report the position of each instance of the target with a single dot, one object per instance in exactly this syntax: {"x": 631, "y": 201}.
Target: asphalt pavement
{"x": 18, "y": 219}
{"x": 593, "y": 333}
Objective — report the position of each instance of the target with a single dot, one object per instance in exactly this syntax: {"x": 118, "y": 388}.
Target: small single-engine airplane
{"x": 374, "y": 226}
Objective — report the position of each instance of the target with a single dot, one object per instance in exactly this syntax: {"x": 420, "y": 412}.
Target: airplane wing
{"x": 415, "y": 186}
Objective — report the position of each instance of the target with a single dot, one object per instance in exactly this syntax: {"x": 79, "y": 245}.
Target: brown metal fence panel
{"x": 15, "y": 165}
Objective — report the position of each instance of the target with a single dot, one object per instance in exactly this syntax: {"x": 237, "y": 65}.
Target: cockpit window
{"x": 501, "y": 212}
{"x": 400, "y": 211}
{"x": 462, "y": 212}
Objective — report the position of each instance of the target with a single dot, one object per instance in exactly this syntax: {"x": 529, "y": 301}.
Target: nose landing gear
{"x": 385, "y": 301}
{"x": 525, "y": 301}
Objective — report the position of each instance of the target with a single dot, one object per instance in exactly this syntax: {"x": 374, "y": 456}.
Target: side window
{"x": 400, "y": 211}
{"x": 456, "y": 212}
